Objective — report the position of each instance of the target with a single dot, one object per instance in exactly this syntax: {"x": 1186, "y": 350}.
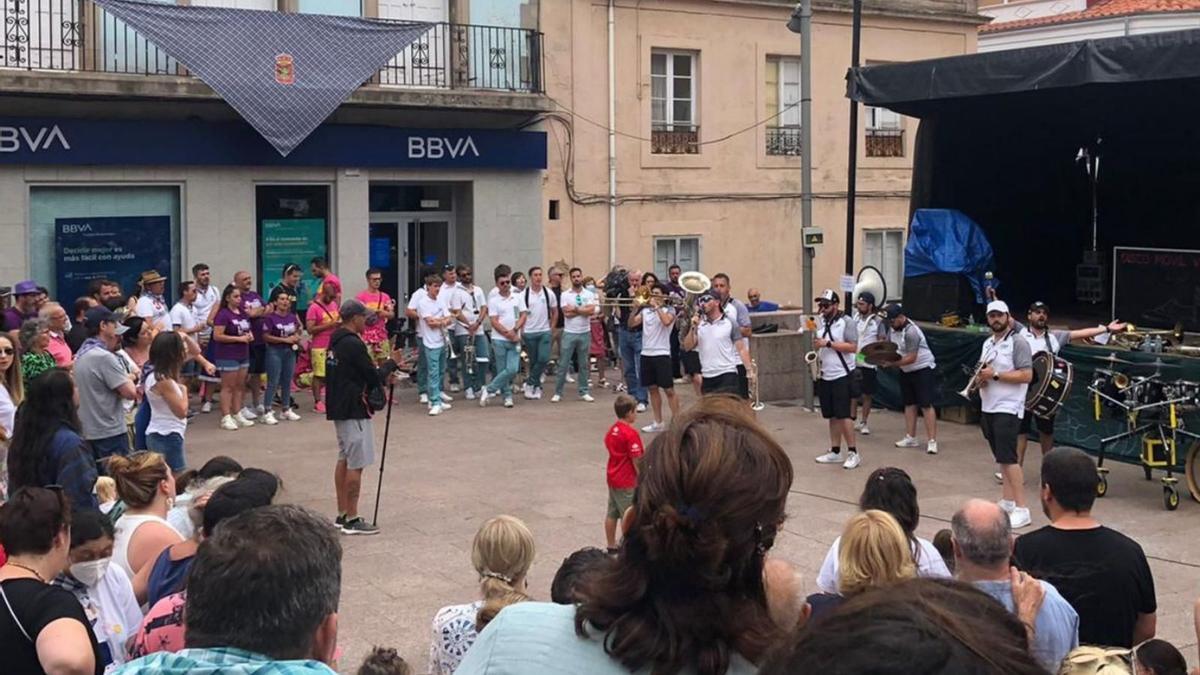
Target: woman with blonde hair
{"x": 874, "y": 552}
{"x": 147, "y": 486}
{"x": 501, "y": 554}
{"x": 1088, "y": 660}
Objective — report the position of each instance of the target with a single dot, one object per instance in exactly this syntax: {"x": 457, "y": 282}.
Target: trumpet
{"x": 758, "y": 404}
{"x": 973, "y": 383}
{"x": 450, "y": 354}
{"x": 469, "y": 354}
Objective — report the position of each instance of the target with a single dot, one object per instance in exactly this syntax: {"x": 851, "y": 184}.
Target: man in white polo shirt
{"x": 469, "y": 307}
{"x": 836, "y": 342}
{"x": 917, "y": 382}
{"x": 718, "y": 339}
{"x": 656, "y": 321}
{"x": 578, "y": 305}
{"x": 543, "y": 313}
{"x": 415, "y": 320}
{"x": 1007, "y": 370}
{"x": 434, "y": 318}
{"x": 507, "y": 313}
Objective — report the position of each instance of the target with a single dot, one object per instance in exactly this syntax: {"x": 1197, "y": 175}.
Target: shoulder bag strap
{"x": 13, "y": 614}
{"x": 829, "y": 336}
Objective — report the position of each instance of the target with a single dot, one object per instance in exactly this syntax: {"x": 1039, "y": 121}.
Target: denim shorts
{"x": 170, "y": 446}
{"x": 231, "y": 365}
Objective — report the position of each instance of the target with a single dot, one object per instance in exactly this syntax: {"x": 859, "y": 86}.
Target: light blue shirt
{"x": 539, "y": 637}
{"x": 1057, "y": 625}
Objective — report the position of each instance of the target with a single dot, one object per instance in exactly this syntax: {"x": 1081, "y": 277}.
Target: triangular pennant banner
{"x": 284, "y": 73}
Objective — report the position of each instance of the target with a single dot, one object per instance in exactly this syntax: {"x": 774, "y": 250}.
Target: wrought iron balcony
{"x": 783, "y": 141}
{"x": 76, "y": 35}
{"x": 676, "y": 139}
{"x": 885, "y": 142}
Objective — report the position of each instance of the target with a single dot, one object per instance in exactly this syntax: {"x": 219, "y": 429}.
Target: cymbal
{"x": 1112, "y": 358}
{"x": 880, "y": 347}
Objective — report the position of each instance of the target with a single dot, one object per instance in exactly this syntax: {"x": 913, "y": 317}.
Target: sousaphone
{"x": 869, "y": 279}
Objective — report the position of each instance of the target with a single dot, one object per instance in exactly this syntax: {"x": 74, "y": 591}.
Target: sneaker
{"x": 269, "y": 419}
{"x": 931, "y": 447}
{"x": 357, "y": 525}
{"x": 445, "y": 406}
{"x": 641, "y": 407}
{"x": 654, "y": 427}
{"x": 907, "y": 442}
{"x": 206, "y": 407}
{"x": 537, "y": 393}
{"x": 1019, "y": 517}
{"x": 999, "y": 478}
{"x": 228, "y": 423}
{"x": 454, "y": 387}
{"x": 556, "y": 398}
{"x": 339, "y": 521}
{"x": 852, "y": 461}
{"x": 483, "y": 397}
{"x": 621, "y": 388}
{"x": 423, "y": 398}
{"x": 290, "y": 415}
{"x": 508, "y": 402}
{"x": 260, "y": 409}
{"x": 470, "y": 394}
{"x": 435, "y": 410}
{"x": 319, "y": 407}
{"x": 830, "y": 458}
{"x": 858, "y": 425}
{"x": 1007, "y": 505}
{"x": 527, "y": 392}
{"x": 570, "y": 377}
{"x": 864, "y": 429}
{"x": 249, "y": 414}
{"x": 587, "y": 397}
{"x": 446, "y": 397}
{"x": 241, "y": 419}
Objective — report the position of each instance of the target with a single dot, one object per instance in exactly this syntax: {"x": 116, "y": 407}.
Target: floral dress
{"x": 33, "y": 364}
{"x": 453, "y": 634}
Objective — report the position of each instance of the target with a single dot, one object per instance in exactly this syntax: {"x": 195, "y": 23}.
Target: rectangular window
{"x": 783, "y": 105}
{"x": 682, "y": 251}
{"x": 331, "y": 7}
{"x": 673, "y": 103}
{"x": 884, "y": 250}
{"x": 885, "y": 133}
{"x": 293, "y": 228}
{"x": 77, "y": 234}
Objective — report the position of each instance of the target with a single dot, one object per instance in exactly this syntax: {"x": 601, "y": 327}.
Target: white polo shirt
{"x": 656, "y": 337}
{"x": 911, "y": 339}
{"x": 183, "y": 317}
{"x": 841, "y": 329}
{"x": 715, "y": 343}
{"x": 470, "y": 303}
{"x": 870, "y": 329}
{"x": 205, "y": 299}
{"x": 1010, "y": 353}
{"x": 580, "y": 323}
{"x": 538, "y": 303}
{"x": 506, "y": 311}
{"x": 428, "y": 308}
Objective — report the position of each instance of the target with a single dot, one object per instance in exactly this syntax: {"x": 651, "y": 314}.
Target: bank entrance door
{"x": 402, "y": 245}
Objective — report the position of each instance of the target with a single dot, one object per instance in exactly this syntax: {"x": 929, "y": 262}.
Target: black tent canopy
{"x": 1000, "y": 133}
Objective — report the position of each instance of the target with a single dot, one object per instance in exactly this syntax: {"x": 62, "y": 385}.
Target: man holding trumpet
{"x": 718, "y": 340}
{"x": 656, "y": 320}
{"x": 836, "y": 343}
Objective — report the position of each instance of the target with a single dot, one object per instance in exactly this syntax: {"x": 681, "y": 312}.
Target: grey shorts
{"x": 356, "y": 442}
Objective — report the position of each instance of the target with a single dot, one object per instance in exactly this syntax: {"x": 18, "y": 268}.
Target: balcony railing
{"x": 885, "y": 142}
{"x": 675, "y": 139}
{"x": 76, "y": 35}
{"x": 783, "y": 141}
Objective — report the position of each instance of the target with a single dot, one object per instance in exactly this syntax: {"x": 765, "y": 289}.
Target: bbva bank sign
{"x": 32, "y": 139}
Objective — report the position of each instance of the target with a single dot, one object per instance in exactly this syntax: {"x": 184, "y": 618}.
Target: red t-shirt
{"x": 624, "y": 445}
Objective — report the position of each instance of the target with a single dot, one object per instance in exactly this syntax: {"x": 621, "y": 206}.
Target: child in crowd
{"x": 106, "y": 493}
{"x": 624, "y": 461}
{"x": 384, "y": 661}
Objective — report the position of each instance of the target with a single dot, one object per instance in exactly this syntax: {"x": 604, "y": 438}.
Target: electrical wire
{"x": 714, "y": 141}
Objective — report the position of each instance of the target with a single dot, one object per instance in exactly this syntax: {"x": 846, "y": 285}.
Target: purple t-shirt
{"x": 235, "y": 325}
{"x": 251, "y": 301}
{"x": 282, "y": 326}
{"x": 13, "y": 318}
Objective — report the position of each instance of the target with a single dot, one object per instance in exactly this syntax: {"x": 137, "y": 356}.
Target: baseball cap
{"x": 1039, "y": 306}
{"x": 27, "y": 287}
{"x": 100, "y": 314}
{"x": 828, "y": 295}
{"x": 997, "y": 306}
{"x": 5, "y": 291}
{"x": 893, "y": 310}
{"x": 353, "y": 308}
{"x": 867, "y": 297}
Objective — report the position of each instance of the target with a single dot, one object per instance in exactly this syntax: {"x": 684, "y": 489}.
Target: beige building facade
{"x": 707, "y": 146}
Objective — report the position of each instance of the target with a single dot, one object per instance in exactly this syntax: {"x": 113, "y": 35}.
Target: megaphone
{"x": 869, "y": 280}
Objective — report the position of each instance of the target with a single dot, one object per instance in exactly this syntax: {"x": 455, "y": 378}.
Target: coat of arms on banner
{"x": 285, "y": 72}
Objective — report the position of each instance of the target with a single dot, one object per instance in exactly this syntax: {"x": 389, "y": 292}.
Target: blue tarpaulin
{"x": 946, "y": 240}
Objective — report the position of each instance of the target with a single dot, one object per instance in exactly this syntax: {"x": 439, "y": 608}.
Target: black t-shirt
{"x": 37, "y": 605}
{"x": 1101, "y": 572}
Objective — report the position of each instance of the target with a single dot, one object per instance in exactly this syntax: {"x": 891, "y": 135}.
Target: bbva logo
{"x": 433, "y": 147}
{"x": 13, "y": 139}
{"x": 76, "y": 228}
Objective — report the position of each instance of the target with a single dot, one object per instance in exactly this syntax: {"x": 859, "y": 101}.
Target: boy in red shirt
{"x": 624, "y": 460}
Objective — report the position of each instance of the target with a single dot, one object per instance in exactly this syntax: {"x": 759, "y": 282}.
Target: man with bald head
{"x": 757, "y": 304}
{"x": 983, "y": 544}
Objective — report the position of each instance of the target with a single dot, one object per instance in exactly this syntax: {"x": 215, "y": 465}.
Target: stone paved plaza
{"x": 544, "y": 463}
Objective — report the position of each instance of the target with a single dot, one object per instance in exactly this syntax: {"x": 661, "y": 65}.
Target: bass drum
{"x": 1191, "y": 470}
{"x": 1052, "y": 379}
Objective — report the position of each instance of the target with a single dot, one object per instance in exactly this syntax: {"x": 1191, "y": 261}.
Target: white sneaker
{"x": 1019, "y": 517}
{"x": 483, "y": 397}
{"x": 830, "y": 458}
{"x": 470, "y": 394}
{"x": 424, "y": 398}
{"x": 852, "y": 461}
{"x": 537, "y": 393}
{"x": 241, "y": 419}
{"x": 434, "y": 411}
{"x": 570, "y": 377}
{"x": 858, "y": 425}
{"x": 268, "y": 419}
{"x": 260, "y": 409}
{"x": 247, "y": 413}
{"x": 445, "y": 406}
{"x": 587, "y": 397}
{"x": 508, "y": 402}
{"x": 931, "y": 447}
{"x": 864, "y": 429}
{"x": 556, "y": 398}
{"x": 446, "y": 397}
{"x": 907, "y": 442}
{"x": 527, "y": 392}
{"x": 290, "y": 415}
{"x": 454, "y": 387}
{"x": 206, "y": 407}
{"x": 654, "y": 427}
{"x": 1007, "y": 505}
{"x": 999, "y": 478}
{"x": 641, "y": 407}
{"x": 228, "y": 423}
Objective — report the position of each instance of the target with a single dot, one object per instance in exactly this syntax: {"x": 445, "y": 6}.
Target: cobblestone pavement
{"x": 544, "y": 463}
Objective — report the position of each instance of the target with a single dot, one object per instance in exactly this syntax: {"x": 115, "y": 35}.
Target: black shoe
{"x": 359, "y": 526}
{"x": 339, "y": 521}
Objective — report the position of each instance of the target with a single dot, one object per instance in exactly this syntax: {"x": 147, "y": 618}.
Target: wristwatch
{"x": 995, "y": 377}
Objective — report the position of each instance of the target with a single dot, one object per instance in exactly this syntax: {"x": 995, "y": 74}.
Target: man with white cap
{"x": 836, "y": 342}
{"x": 1006, "y": 368}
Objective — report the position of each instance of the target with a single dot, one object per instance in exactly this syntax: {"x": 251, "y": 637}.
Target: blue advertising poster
{"x": 284, "y": 241}
{"x": 109, "y": 247}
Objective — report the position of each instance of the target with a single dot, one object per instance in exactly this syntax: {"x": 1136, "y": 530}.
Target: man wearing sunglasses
{"x": 836, "y": 342}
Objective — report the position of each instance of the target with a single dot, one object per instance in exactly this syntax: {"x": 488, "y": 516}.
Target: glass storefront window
{"x": 293, "y": 228}
{"x": 80, "y": 233}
